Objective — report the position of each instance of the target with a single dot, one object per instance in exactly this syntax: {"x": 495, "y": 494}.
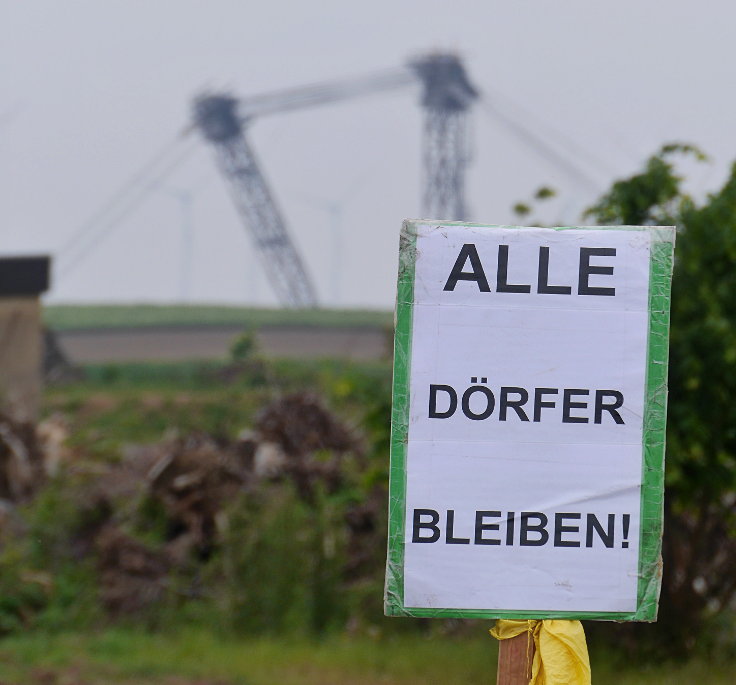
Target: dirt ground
{"x": 213, "y": 342}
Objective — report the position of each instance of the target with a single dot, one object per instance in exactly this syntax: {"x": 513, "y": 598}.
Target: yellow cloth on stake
{"x": 560, "y": 654}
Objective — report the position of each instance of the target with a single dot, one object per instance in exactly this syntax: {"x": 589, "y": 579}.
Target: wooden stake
{"x": 515, "y": 660}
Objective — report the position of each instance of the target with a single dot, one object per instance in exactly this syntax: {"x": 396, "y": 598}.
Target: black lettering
{"x": 490, "y": 402}
{"x": 450, "y": 538}
{"x": 543, "y": 276}
{"x": 516, "y": 405}
{"x": 510, "y": 522}
{"x": 502, "y": 285}
{"x": 468, "y": 252}
{"x": 593, "y": 524}
{"x": 418, "y": 524}
{"x": 561, "y": 529}
{"x": 610, "y": 408}
{"x": 526, "y": 528}
{"x": 433, "y": 390}
{"x": 586, "y": 270}
{"x": 625, "y": 520}
{"x": 568, "y": 404}
{"x": 481, "y": 526}
{"x": 539, "y": 403}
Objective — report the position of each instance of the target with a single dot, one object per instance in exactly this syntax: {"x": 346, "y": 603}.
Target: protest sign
{"x": 528, "y": 422}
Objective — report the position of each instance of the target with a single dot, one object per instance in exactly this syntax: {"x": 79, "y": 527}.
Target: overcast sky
{"x": 92, "y": 90}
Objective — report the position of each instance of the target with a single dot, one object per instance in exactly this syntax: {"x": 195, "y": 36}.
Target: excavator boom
{"x": 223, "y": 119}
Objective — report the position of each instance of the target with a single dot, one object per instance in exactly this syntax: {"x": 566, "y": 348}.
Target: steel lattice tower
{"x": 218, "y": 119}
{"x": 447, "y": 96}
{"x": 222, "y": 119}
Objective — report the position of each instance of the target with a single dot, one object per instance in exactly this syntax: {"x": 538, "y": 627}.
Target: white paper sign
{"x": 528, "y": 425}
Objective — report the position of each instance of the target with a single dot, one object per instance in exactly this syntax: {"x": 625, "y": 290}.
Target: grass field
{"x": 119, "y": 404}
{"x": 66, "y": 317}
{"x": 203, "y": 658}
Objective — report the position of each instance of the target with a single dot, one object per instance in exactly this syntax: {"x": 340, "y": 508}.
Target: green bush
{"x": 699, "y": 547}
{"x": 279, "y": 566}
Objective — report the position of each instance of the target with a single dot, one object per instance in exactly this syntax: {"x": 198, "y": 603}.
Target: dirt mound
{"x": 301, "y": 424}
{"x": 194, "y": 478}
{"x": 313, "y": 442}
{"x": 132, "y": 575}
{"x": 164, "y": 508}
{"x": 21, "y": 460}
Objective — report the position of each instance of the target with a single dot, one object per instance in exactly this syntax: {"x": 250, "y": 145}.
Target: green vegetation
{"x": 280, "y": 578}
{"x": 699, "y": 547}
{"x": 119, "y": 404}
{"x": 65, "y": 317}
{"x": 290, "y": 529}
{"x": 196, "y": 654}
{"x": 124, "y": 656}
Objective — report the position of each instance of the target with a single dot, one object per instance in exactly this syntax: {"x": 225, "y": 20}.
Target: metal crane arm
{"x": 323, "y": 93}
{"x": 222, "y": 119}
{"x": 260, "y": 214}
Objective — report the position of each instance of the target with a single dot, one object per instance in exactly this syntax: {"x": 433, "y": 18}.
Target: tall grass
{"x": 128, "y": 656}
{"x": 64, "y": 317}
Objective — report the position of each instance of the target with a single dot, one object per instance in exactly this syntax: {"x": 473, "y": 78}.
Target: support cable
{"x": 542, "y": 148}
{"x": 138, "y": 178}
{"x": 129, "y": 198}
{"x": 569, "y": 145}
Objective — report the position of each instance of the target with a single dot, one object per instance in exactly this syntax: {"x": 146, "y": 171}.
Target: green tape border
{"x": 394, "y": 588}
{"x": 655, "y": 424}
{"x": 654, "y": 430}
